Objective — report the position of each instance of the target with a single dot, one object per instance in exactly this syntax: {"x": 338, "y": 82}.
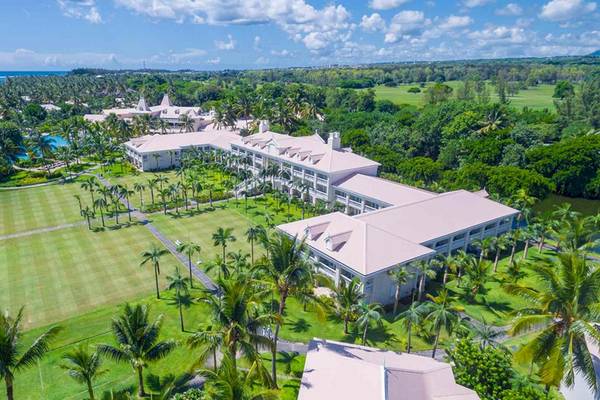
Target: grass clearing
{"x": 59, "y": 274}
{"x": 38, "y": 207}
{"x": 538, "y": 97}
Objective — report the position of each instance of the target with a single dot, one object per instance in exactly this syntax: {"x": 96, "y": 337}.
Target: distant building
{"x": 49, "y": 107}
{"x": 335, "y": 370}
{"x": 165, "y": 111}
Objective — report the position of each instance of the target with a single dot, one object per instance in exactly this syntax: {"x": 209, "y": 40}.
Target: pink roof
{"x": 335, "y": 370}
{"x": 438, "y": 216}
{"x": 220, "y": 138}
{"x": 310, "y": 151}
{"x": 359, "y": 245}
{"x": 383, "y": 190}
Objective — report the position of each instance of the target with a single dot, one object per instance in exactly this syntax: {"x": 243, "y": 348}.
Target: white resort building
{"x": 335, "y": 370}
{"x": 385, "y": 225}
{"x": 165, "y": 111}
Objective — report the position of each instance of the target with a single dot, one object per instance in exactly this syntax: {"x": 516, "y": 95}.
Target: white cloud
{"x": 225, "y": 45}
{"x": 499, "y": 35}
{"x": 296, "y": 17}
{"x": 405, "y": 25}
{"x": 510, "y": 10}
{"x": 186, "y": 56}
{"x": 81, "y": 9}
{"x": 257, "y": 41}
{"x": 386, "y": 4}
{"x": 372, "y": 23}
{"x": 475, "y": 3}
{"x": 214, "y": 61}
{"x": 281, "y": 53}
{"x": 563, "y": 10}
{"x": 455, "y": 21}
{"x": 261, "y": 60}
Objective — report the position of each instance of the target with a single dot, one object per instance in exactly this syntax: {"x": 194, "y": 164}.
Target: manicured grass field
{"x": 39, "y": 207}
{"x": 538, "y": 97}
{"x": 59, "y": 274}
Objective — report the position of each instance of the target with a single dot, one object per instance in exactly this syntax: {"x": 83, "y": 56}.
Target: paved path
{"x": 168, "y": 243}
{"x": 41, "y": 230}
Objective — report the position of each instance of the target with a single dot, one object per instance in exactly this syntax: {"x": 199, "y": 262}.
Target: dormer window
{"x": 337, "y": 241}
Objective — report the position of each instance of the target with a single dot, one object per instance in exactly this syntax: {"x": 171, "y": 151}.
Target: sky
{"x": 212, "y": 34}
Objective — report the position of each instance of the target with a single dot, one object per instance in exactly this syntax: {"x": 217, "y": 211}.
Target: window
{"x": 327, "y": 264}
{"x": 346, "y": 274}
{"x": 441, "y": 243}
{"x": 355, "y": 199}
{"x": 505, "y": 221}
{"x": 321, "y": 176}
{"x": 309, "y": 172}
{"x": 258, "y": 156}
{"x": 297, "y": 169}
{"x": 371, "y": 204}
{"x": 321, "y": 188}
{"x": 475, "y": 231}
{"x": 340, "y": 194}
{"x": 489, "y": 227}
{"x": 459, "y": 237}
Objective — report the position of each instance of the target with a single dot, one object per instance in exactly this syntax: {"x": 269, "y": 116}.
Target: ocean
{"x": 5, "y": 74}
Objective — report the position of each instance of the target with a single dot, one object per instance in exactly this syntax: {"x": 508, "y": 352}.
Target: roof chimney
{"x": 263, "y": 126}
{"x": 334, "y": 141}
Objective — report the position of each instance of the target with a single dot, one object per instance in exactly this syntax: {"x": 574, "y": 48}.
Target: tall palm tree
{"x": 425, "y": 270}
{"x": 90, "y": 185}
{"x": 178, "y": 283}
{"x": 442, "y": 314}
{"x": 367, "y": 314}
{"x": 412, "y": 316}
{"x": 78, "y": 198}
{"x": 497, "y": 245}
{"x": 100, "y": 204}
{"x": 88, "y": 215}
{"x": 564, "y": 313}
{"x": 400, "y": 277}
{"x": 84, "y": 367}
{"x": 152, "y": 184}
{"x": 347, "y": 296}
{"x": 153, "y": 256}
{"x": 189, "y": 248}
{"x": 140, "y": 187}
{"x": 484, "y": 246}
{"x": 252, "y": 235}
{"x": 289, "y": 269}
{"x": 222, "y": 237}
{"x": 164, "y": 195}
{"x": 15, "y": 356}
{"x": 137, "y": 341}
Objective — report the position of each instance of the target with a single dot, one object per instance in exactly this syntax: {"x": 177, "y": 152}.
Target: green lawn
{"x": 538, "y": 97}
{"x": 71, "y": 271}
{"x": 39, "y": 207}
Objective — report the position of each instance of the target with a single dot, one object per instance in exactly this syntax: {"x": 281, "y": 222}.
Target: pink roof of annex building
{"x": 438, "y": 216}
{"x": 383, "y": 190}
{"x": 359, "y": 245}
{"x": 335, "y": 370}
{"x": 220, "y": 138}
{"x": 310, "y": 151}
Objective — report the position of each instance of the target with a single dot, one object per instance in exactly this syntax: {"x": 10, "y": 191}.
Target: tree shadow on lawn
{"x": 299, "y": 326}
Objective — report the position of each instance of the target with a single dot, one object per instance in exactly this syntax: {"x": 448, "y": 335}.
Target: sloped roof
{"x": 383, "y": 190}
{"x": 220, "y": 138}
{"x": 335, "y": 370}
{"x": 310, "y": 151}
{"x": 438, "y": 216}
{"x": 166, "y": 101}
{"x": 362, "y": 246}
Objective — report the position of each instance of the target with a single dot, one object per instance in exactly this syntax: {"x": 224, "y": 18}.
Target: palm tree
{"x": 497, "y": 245}
{"x": 412, "y": 316}
{"x": 101, "y": 204}
{"x": 152, "y": 184}
{"x": 83, "y": 367}
{"x": 347, "y": 296}
{"x": 442, "y": 314}
{"x": 78, "y": 198}
{"x": 13, "y": 356}
{"x": 289, "y": 358}
{"x": 153, "y": 255}
{"x": 178, "y": 283}
{"x": 229, "y": 383}
{"x": 90, "y": 185}
{"x": 368, "y": 313}
{"x": 137, "y": 341}
{"x": 424, "y": 270}
{"x": 252, "y": 235}
{"x": 208, "y": 340}
{"x": 564, "y": 313}
{"x": 513, "y": 237}
{"x": 477, "y": 274}
{"x": 140, "y": 187}
{"x": 88, "y": 215}
{"x": 289, "y": 270}
{"x": 164, "y": 194}
{"x": 400, "y": 277}
{"x": 222, "y": 237}
{"x": 189, "y": 248}
{"x": 484, "y": 246}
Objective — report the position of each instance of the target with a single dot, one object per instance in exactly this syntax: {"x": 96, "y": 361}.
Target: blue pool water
{"x": 57, "y": 141}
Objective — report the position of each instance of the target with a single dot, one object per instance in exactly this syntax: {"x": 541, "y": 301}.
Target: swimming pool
{"x": 57, "y": 141}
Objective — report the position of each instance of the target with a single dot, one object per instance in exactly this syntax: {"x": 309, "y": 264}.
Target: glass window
{"x": 490, "y": 227}
{"x": 321, "y": 176}
{"x": 346, "y": 274}
{"x": 475, "y": 231}
{"x": 459, "y": 237}
{"x": 354, "y": 198}
{"x": 321, "y": 188}
{"x": 340, "y": 194}
{"x": 441, "y": 243}
{"x": 371, "y": 204}
{"x": 309, "y": 172}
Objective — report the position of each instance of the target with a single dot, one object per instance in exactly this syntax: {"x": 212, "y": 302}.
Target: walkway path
{"x": 168, "y": 243}
{"x": 41, "y": 230}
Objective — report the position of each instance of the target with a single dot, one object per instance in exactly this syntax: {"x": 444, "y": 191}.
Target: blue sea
{"x": 5, "y": 74}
